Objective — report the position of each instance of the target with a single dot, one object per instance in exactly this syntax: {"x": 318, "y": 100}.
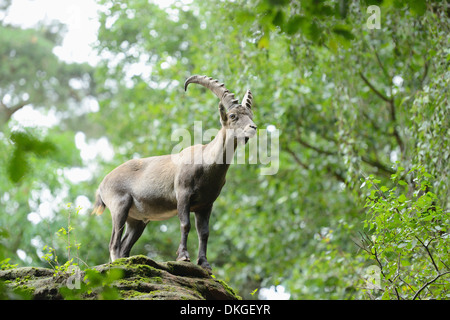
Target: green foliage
{"x": 25, "y": 143}
{"x": 409, "y": 237}
{"x": 354, "y": 105}
{"x": 67, "y": 239}
{"x": 4, "y": 264}
{"x": 317, "y": 73}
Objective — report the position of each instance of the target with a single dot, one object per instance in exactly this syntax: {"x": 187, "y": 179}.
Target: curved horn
{"x": 226, "y": 97}
{"x": 248, "y": 99}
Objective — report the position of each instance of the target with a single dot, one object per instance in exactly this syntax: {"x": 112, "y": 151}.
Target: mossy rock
{"x": 140, "y": 278}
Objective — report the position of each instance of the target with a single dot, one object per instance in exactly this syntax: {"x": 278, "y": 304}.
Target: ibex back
{"x": 160, "y": 187}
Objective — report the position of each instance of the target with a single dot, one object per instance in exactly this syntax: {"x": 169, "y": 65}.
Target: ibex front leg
{"x": 185, "y": 226}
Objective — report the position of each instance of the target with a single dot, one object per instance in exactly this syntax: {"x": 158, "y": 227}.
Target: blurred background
{"x": 360, "y": 98}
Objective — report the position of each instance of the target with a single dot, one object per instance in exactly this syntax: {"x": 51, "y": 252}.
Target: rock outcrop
{"x": 136, "y": 277}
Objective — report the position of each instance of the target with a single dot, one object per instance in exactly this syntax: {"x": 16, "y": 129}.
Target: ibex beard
{"x": 158, "y": 188}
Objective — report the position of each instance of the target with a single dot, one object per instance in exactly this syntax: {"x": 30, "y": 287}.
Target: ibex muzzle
{"x": 160, "y": 187}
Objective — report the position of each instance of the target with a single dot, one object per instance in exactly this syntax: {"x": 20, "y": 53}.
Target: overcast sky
{"x": 80, "y": 16}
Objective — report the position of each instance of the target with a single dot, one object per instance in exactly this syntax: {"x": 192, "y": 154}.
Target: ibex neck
{"x": 221, "y": 149}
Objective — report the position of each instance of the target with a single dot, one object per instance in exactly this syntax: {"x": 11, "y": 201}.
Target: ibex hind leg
{"x": 132, "y": 234}
{"x": 185, "y": 226}
{"x": 202, "y": 224}
{"x": 119, "y": 214}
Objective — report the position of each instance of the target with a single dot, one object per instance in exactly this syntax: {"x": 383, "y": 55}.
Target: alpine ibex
{"x": 157, "y": 188}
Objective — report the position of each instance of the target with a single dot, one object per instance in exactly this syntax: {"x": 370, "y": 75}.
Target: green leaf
{"x": 18, "y": 166}
{"x": 402, "y": 198}
{"x": 24, "y": 145}
{"x": 402, "y": 245}
{"x": 278, "y": 19}
{"x": 294, "y": 24}
{"x": 264, "y": 42}
{"x": 343, "y": 31}
{"x": 417, "y": 7}
{"x": 405, "y": 263}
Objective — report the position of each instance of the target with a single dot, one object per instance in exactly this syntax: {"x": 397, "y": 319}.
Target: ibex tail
{"x": 99, "y": 205}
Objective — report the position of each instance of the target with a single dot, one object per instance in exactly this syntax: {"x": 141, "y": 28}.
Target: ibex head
{"x": 234, "y": 116}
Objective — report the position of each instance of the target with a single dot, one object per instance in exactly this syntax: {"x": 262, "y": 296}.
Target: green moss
{"x": 136, "y": 281}
{"x": 148, "y": 271}
{"x": 24, "y": 292}
{"x": 130, "y": 294}
{"x": 23, "y": 280}
{"x": 157, "y": 280}
{"x": 131, "y": 261}
{"x": 229, "y": 289}
{"x": 139, "y": 265}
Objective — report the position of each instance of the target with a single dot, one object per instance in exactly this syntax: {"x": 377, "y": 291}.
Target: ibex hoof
{"x": 183, "y": 256}
{"x": 205, "y": 265}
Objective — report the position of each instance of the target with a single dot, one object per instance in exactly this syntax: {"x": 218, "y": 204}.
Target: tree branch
{"x": 377, "y": 164}
{"x": 392, "y": 111}
{"x": 425, "y": 72}
{"x": 367, "y": 160}
{"x": 9, "y": 111}
{"x": 296, "y": 158}
{"x": 428, "y": 283}
{"x": 378, "y": 93}
{"x": 394, "y": 120}
{"x": 17, "y": 107}
{"x": 367, "y": 245}
{"x": 386, "y": 74}
{"x": 429, "y": 253}
{"x": 4, "y": 107}
{"x": 337, "y": 175}
{"x": 307, "y": 145}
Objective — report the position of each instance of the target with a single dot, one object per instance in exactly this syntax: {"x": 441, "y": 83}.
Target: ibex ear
{"x": 223, "y": 112}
